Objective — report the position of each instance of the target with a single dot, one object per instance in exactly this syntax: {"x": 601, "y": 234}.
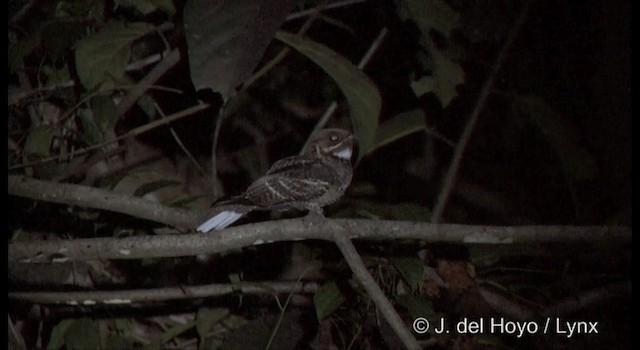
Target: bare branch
{"x": 300, "y": 229}
{"x": 96, "y": 198}
{"x": 133, "y": 132}
{"x": 88, "y": 298}
{"x": 143, "y": 85}
{"x": 452, "y": 172}
{"x": 375, "y": 292}
{"x": 328, "y": 6}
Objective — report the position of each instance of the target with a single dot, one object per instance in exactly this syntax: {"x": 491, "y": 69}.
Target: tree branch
{"x": 452, "y": 172}
{"x": 143, "y": 85}
{"x": 298, "y": 229}
{"x": 375, "y": 292}
{"x": 96, "y": 198}
{"x": 88, "y": 298}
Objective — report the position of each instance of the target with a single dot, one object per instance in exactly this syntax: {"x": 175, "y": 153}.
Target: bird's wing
{"x": 288, "y": 163}
{"x": 293, "y": 179}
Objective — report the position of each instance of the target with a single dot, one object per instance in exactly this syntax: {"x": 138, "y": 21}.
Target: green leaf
{"x": 56, "y": 341}
{"x": 170, "y": 334}
{"x": 101, "y": 58}
{"x": 577, "y": 162}
{"x": 84, "y": 334}
{"x": 105, "y": 114}
{"x": 154, "y": 186}
{"x": 411, "y": 270}
{"x": 327, "y": 299}
{"x": 208, "y": 318}
{"x": 91, "y": 133}
{"x": 39, "y": 140}
{"x": 398, "y": 127}
{"x": 122, "y": 338}
{"x": 417, "y": 306}
{"x": 446, "y": 75}
{"x": 361, "y": 93}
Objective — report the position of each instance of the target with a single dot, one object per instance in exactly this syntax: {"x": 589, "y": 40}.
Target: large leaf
{"x": 226, "y": 39}
{"x": 361, "y": 93}
{"x": 398, "y": 127}
{"x": 101, "y": 58}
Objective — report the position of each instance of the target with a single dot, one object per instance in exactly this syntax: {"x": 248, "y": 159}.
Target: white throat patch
{"x": 344, "y": 154}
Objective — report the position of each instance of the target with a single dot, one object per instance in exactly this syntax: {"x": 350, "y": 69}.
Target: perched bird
{"x": 310, "y": 181}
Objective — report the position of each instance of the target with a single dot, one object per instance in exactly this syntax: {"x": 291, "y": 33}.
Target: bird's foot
{"x": 314, "y": 217}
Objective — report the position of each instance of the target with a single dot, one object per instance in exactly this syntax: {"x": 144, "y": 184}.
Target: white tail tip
{"x": 219, "y": 221}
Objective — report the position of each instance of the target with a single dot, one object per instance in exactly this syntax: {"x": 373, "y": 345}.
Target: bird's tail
{"x": 225, "y": 214}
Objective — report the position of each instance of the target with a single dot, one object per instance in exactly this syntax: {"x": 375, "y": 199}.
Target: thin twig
{"x": 284, "y": 52}
{"x": 22, "y": 13}
{"x": 261, "y": 72}
{"x": 375, "y": 292}
{"x": 97, "y": 198}
{"x": 363, "y": 63}
{"x": 141, "y": 87}
{"x": 372, "y": 49}
{"x": 134, "y": 132}
{"x": 328, "y": 6}
{"x": 216, "y": 185}
{"x": 180, "y": 144}
{"x": 452, "y": 172}
{"x": 283, "y": 309}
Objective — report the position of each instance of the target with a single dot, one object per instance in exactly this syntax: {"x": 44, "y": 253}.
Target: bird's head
{"x": 336, "y": 143}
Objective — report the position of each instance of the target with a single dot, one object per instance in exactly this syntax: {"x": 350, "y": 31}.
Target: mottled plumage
{"x": 310, "y": 181}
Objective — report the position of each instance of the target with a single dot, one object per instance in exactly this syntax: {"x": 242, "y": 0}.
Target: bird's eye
{"x": 333, "y": 137}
